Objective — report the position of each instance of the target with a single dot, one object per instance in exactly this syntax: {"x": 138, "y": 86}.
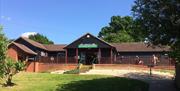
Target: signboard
{"x": 88, "y": 46}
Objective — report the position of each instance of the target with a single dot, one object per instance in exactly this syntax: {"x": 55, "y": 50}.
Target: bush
{"x": 9, "y": 68}
{"x": 80, "y": 69}
{"x": 75, "y": 71}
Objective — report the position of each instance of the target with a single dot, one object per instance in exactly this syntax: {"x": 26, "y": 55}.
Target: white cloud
{"x": 2, "y": 17}
{"x": 27, "y": 34}
{"x": 5, "y": 18}
{"x": 8, "y": 18}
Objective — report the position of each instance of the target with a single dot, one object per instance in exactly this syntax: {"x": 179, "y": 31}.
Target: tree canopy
{"x": 3, "y": 45}
{"x": 122, "y": 29}
{"x": 161, "y": 21}
{"x": 41, "y": 39}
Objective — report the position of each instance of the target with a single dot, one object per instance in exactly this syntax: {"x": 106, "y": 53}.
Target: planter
{"x": 93, "y": 66}
{"x": 80, "y": 66}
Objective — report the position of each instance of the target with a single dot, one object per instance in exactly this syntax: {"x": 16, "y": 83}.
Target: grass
{"x": 56, "y": 82}
{"x": 172, "y": 72}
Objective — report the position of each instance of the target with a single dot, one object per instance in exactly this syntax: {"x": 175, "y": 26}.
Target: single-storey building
{"x": 87, "y": 50}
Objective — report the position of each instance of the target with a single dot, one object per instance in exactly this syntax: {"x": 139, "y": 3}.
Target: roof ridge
{"x": 92, "y": 36}
{"x": 37, "y": 44}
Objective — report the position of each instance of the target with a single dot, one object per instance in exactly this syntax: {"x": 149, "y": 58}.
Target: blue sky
{"x": 60, "y": 20}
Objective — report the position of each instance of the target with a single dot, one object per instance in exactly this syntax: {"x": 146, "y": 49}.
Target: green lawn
{"x": 56, "y": 82}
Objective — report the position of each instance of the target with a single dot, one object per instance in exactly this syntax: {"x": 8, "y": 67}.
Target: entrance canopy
{"x": 89, "y": 41}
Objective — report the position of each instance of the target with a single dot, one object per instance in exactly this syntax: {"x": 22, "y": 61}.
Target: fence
{"x": 52, "y": 60}
{"x": 145, "y": 60}
{"x": 126, "y": 62}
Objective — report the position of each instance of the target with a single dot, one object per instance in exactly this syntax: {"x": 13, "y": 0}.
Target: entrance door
{"x": 90, "y": 57}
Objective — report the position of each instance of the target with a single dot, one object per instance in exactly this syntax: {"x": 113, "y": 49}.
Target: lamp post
{"x": 150, "y": 69}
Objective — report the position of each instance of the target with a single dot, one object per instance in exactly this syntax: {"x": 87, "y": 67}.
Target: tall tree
{"x": 41, "y": 39}
{"x": 161, "y": 21}
{"x": 122, "y": 29}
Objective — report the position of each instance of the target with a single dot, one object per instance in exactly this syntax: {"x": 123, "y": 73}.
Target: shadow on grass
{"x": 105, "y": 84}
{"x": 146, "y": 76}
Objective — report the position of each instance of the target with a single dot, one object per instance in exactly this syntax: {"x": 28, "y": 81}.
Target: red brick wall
{"x": 12, "y": 53}
{"x": 45, "y": 67}
{"x": 30, "y": 66}
{"x": 52, "y": 67}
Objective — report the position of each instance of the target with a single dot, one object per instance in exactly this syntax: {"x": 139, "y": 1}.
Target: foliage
{"x": 74, "y": 71}
{"x": 41, "y": 39}
{"x": 161, "y": 21}
{"x": 8, "y": 67}
{"x": 80, "y": 69}
{"x": 3, "y": 48}
{"x": 68, "y": 82}
{"x": 122, "y": 29}
{"x": 3, "y": 45}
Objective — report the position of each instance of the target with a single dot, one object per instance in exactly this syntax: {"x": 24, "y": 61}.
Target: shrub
{"x": 75, "y": 71}
{"x": 9, "y": 68}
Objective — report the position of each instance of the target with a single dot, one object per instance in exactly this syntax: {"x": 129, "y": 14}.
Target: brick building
{"x": 87, "y": 49}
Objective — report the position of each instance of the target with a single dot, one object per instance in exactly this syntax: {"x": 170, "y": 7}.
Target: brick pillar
{"x": 36, "y": 66}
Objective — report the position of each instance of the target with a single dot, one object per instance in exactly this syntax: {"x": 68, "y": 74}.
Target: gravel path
{"x": 158, "y": 81}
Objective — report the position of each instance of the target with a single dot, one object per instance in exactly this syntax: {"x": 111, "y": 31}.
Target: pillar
{"x": 76, "y": 55}
{"x": 66, "y": 58}
{"x": 111, "y": 56}
{"x": 99, "y": 55}
{"x": 36, "y": 66}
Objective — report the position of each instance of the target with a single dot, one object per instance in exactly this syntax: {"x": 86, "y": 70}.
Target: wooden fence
{"x": 162, "y": 61}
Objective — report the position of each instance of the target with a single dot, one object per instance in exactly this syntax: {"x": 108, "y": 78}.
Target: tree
{"x": 8, "y": 67}
{"x": 41, "y": 39}
{"x": 161, "y": 21}
{"x": 11, "y": 67}
{"x": 122, "y": 29}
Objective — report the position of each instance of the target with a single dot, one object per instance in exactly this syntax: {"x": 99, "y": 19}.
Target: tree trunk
{"x": 9, "y": 80}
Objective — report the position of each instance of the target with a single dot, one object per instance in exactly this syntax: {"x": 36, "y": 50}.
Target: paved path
{"x": 162, "y": 85}
{"x": 158, "y": 81}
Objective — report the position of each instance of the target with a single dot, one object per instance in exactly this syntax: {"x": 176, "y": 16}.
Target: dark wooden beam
{"x": 66, "y": 59}
{"x": 111, "y": 56}
{"x": 99, "y": 55}
{"x": 76, "y": 55}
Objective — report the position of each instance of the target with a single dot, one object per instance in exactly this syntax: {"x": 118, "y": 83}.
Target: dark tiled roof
{"x": 55, "y": 47}
{"x": 34, "y": 43}
{"x": 45, "y": 47}
{"x": 24, "y": 48}
{"x": 120, "y": 47}
{"x": 138, "y": 47}
{"x": 92, "y": 36}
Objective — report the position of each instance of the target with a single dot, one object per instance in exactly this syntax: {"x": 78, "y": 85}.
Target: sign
{"x": 88, "y": 46}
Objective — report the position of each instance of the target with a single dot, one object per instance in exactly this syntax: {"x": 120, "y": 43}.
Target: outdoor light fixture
{"x": 88, "y": 36}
